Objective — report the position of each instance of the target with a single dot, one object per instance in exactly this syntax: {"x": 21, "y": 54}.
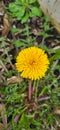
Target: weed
{"x": 24, "y": 9}
{"x": 42, "y": 112}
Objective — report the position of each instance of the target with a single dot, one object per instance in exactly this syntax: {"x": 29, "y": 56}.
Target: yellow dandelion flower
{"x": 32, "y": 62}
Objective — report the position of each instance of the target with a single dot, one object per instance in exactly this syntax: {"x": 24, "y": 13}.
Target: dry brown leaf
{"x": 1, "y": 126}
{"x": 6, "y": 25}
{"x": 1, "y": 8}
{"x": 56, "y": 111}
{"x": 57, "y": 47}
{"x": 16, "y": 118}
{"x": 14, "y": 79}
{"x": 3, "y": 114}
{"x": 0, "y": 67}
{"x": 1, "y": 50}
{"x": 35, "y": 43}
{"x": 35, "y": 32}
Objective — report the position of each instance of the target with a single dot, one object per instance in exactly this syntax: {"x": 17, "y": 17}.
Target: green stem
{"x": 35, "y": 89}
{"x": 30, "y": 90}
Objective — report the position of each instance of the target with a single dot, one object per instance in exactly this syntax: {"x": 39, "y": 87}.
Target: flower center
{"x": 32, "y": 62}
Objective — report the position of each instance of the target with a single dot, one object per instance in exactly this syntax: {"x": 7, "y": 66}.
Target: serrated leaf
{"x": 35, "y": 11}
{"x": 31, "y": 1}
{"x": 57, "y": 55}
{"x": 13, "y": 7}
{"x": 18, "y": 43}
{"x": 25, "y": 18}
{"x": 20, "y": 1}
{"x": 16, "y": 10}
{"x": 20, "y": 13}
{"x": 14, "y": 30}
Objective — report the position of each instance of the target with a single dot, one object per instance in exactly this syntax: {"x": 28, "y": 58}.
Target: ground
{"x": 17, "y": 112}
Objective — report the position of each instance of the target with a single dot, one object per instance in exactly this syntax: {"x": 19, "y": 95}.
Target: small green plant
{"x": 46, "y": 28}
{"x": 24, "y": 9}
{"x": 28, "y": 41}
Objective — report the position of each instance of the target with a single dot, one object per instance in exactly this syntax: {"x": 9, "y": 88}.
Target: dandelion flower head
{"x": 32, "y": 62}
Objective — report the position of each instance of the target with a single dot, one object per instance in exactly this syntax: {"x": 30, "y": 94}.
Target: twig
{"x": 43, "y": 98}
{"x": 10, "y": 60}
{"x": 3, "y": 66}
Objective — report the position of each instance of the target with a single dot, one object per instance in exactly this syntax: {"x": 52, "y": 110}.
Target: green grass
{"x": 43, "y": 111}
